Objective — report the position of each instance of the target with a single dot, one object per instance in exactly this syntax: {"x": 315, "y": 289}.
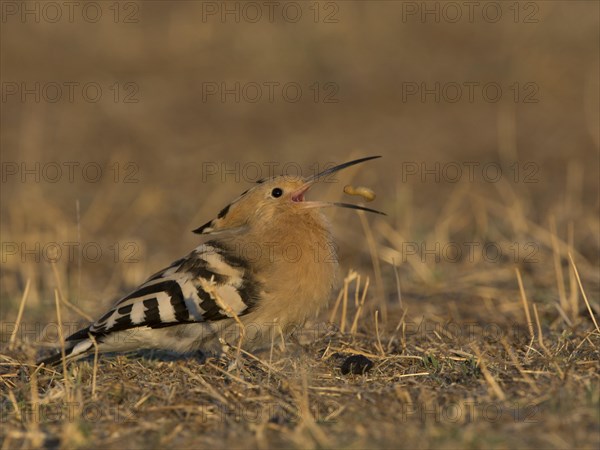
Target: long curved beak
{"x": 298, "y": 195}
{"x": 338, "y": 168}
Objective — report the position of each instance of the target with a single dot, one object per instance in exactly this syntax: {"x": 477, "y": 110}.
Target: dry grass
{"x": 458, "y": 366}
{"x": 469, "y": 352}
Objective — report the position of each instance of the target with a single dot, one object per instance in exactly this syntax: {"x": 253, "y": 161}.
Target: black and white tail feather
{"x": 172, "y": 298}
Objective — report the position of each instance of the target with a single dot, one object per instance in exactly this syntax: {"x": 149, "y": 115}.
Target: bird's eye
{"x": 276, "y": 193}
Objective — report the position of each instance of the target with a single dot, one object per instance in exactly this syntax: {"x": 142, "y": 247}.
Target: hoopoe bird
{"x": 269, "y": 264}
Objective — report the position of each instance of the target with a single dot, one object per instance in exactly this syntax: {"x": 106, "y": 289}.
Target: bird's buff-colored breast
{"x": 295, "y": 261}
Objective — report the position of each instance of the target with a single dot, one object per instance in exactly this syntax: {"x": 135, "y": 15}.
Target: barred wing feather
{"x": 176, "y": 294}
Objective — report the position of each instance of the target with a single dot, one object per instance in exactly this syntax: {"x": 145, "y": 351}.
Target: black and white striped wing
{"x": 179, "y": 294}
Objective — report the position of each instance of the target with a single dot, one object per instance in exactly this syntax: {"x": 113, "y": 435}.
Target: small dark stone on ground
{"x": 356, "y": 364}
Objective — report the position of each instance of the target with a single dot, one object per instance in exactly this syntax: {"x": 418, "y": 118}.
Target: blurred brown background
{"x": 357, "y": 64}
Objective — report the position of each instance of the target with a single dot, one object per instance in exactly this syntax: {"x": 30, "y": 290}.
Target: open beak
{"x": 298, "y": 195}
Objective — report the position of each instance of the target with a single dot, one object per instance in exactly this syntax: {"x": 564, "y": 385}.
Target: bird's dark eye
{"x": 276, "y": 193}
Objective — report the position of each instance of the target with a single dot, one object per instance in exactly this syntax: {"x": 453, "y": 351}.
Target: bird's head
{"x": 273, "y": 199}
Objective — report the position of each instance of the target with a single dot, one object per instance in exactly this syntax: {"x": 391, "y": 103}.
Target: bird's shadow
{"x": 148, "y": 355}
{"x": 163, "y": 356}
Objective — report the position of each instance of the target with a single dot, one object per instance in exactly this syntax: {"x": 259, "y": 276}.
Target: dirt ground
{"x": 475, "y": 301}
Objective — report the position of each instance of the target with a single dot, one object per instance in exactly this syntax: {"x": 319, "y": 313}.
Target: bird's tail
{"x": 75, "y": 347}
